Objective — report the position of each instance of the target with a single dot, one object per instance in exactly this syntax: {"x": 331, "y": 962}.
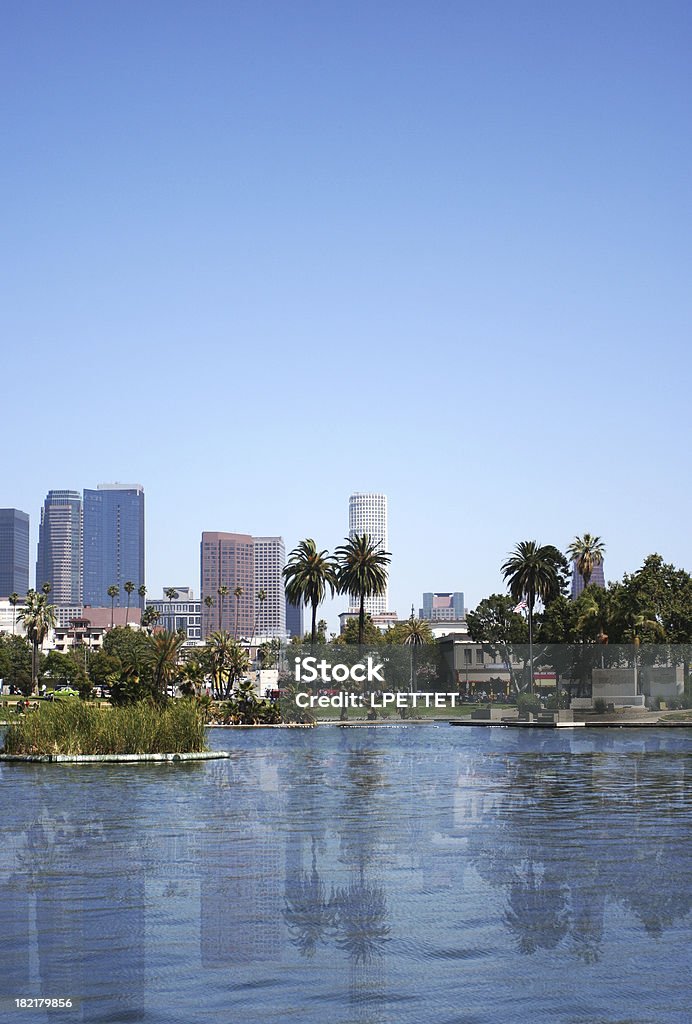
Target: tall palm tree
{"x": 533, "y": 573}
{"x": 237, "y": 593}
{"x": 113, "y": 592}
{"x": 261, "y": 598}
{"x": 586, "y": 552}
{"x": 208, "y": 604}
{"x": 14, "y": 600}
{"x": 129, "y": 588}
{"x": 307, "y": 576}
{"x": 223, "y": 592}
{"x": 172, "y": 594}
{"x": 415, "y": 632}
{"x": 362, "y": 572}
{"x": 142, "y": 592}
{"x": 39, "y": 618}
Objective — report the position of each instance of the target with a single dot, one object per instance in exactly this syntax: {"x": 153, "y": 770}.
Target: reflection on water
{"x": 357, "y": 875}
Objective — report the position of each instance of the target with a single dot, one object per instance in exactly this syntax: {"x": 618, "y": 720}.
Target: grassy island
{"x": 73, "y": 727}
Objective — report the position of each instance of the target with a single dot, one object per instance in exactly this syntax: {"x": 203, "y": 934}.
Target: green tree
{"x": 587, "y": 553}
{"x": 132, "y": 647}
{"x": 219, "y": 652}
{"x": 128, "y": 587}
{"x": 164, "y": 655}
{"x": 362, "y": 572}
{"x": 16, "y": 661}
{"x": 660, "y": 592}
{"x": 39, "y": 618}
{"x": 113, "y": 591}
{"x": 104, "y": 669}
{"x": 500, "y": 629}
{"x": 308, "y": 575}
{"x": 412, "y": 631}
{"x": 350, "y": 634}
{"x": 67, "y": 670}
{"x": 534, "y": 572}
{"x": 150, "y": 617}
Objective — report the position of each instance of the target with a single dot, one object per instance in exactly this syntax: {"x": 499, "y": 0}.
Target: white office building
{"x": 367, "y": 513}
{"x": 270, "y": 614}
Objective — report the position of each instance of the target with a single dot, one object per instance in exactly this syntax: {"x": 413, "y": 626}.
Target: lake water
{"x": 380, "y": 875}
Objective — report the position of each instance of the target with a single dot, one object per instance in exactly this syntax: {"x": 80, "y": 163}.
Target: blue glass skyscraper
{"x": 113, "y": 533}
{"x": 59, "y": 560}
{"x": 14, "y": 552}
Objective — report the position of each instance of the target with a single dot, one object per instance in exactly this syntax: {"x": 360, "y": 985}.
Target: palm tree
{"x": 128, "y": 587}
{"x": 238, "y": 664}
{"x": 14, "y": 601}
{"x": 165, "y": 652}
{"x": 362, "y": 572}
{"x": 222, "y": 592}
{"x": 228, "y": 661}
{"x": 113, "y": 592}
{"x": 237, "y": 593}
{"x": 533, "y": 573}
{"x": 142, "y": 591}
{"x": 415, "y": 632}
{"x": 172, "y": 594}
{"x": 586, "y": 552}
{"x": 208, "y": 603}
{"x": 150, "y": 616}
{"x": 39, "y": 618}
{"x": 261, "y": 598}
{"x": 307, "y": 576}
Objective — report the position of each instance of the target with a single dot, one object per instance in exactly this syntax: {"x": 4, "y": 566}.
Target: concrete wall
{"x": 666, "y": 681}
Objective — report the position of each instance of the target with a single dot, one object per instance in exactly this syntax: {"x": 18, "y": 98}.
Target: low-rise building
{"x": 182, "y": 612}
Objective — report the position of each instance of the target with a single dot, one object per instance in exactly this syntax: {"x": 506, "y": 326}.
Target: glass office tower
{"x": 113, "y": 551}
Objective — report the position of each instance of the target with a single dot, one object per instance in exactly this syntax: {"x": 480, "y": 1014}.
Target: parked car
{"x": 62, "y": 693}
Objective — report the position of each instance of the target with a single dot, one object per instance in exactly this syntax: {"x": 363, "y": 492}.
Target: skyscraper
{"x": 227, "y": 560}
{"x": 270, "y": 559}
{"x": 59, "y": 560}
{"x": 14, "y": 552}
{"x": 294, "y": 619}
{"x": 597, "y": 579}
{"x": 113, "y": 547}
{"x": 367, "y": 513}
{"x": 238, "y": 561}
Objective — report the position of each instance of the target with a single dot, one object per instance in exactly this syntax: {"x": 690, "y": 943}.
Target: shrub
{"x": 528, "y": 702}
{"x": 600, "y": 706}
{"x": 72, "y": 727}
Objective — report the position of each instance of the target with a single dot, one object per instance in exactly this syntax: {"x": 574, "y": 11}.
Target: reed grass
{"x": 73, "y": 727}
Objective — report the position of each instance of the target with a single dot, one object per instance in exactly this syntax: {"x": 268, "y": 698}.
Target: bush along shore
{"x": 73, "y": 727}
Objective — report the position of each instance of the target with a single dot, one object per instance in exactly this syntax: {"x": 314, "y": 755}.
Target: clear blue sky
{"x": 259, "y": 255}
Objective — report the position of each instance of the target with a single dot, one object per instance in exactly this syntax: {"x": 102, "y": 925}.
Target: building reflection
{"x": 322, "y": 857}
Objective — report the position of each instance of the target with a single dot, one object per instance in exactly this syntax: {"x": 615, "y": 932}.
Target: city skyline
{"x": 399, "y": 233}
{"x": 329, "y": 610}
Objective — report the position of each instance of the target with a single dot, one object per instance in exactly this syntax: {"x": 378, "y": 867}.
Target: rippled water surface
{"x": 384, "y": 875}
